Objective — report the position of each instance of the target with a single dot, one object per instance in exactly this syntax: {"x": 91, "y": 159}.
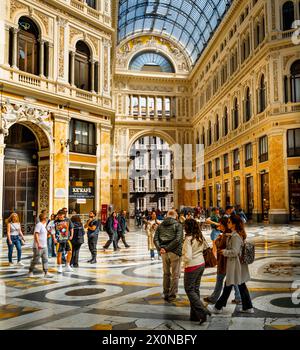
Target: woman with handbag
{"x": 194, "y": 265}
{"x": 237, "y": 273}
{"x": 221, "y": 242}
{"x": 15, "y": 237}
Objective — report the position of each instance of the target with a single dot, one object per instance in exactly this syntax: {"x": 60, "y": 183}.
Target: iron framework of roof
{"x": 189, "y": 22}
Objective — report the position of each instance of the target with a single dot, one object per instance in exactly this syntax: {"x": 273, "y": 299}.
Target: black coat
{"x": 79, "y": 233}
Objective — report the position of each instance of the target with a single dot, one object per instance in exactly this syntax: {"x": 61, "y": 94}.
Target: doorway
{"x": 265, "y": 196}
{"x": 21, "y": 176}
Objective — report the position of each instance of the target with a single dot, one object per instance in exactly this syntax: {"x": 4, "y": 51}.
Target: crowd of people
{"x": 176, "y": 237}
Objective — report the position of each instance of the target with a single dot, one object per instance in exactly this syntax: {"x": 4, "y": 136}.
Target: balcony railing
{"x": 236, "y": 166}
{"x": 82, "y": 6}
{"x": 162, "y": 189}
{"x": 218, "y": 172}
{"x": 226, "y": 170}
{"x": 249, "y": 162}
{"x": 140, "y": 189}
{"x": 83, "y": 148}
{"x": 263, "y": 157}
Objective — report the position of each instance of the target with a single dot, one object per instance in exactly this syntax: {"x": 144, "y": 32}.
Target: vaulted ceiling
{"x": 189, "y": 22}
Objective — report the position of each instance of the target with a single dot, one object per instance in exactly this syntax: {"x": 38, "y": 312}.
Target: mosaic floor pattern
{"x": 123, "y": 291}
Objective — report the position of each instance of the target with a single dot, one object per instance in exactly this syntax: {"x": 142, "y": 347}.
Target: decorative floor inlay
{"x": 124, "y": 289}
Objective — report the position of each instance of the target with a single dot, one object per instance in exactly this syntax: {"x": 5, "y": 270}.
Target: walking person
{"x": 168, "y": 240}
{"x": 71, "y": 231}
{"x": 236, "y": 272}
{"x": 194, "y": 266}
{"x": 151, "y": 229}
{"x": 213, "y": 220}
{"x": 15, "y": 238}
{"x": 122, "y": 228}
{"x": 40, "y": 249}
{"x": 50, "y": 242}
{"x": 221, "y": 242}
{"x": 78, "y": 239}
{"x": 62, "y": 237}
{"x": 112, "y": 231}
{"x": 93, "y": 229}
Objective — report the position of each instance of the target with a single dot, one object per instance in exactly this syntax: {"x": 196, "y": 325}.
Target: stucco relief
{"x": 15, "y": 6}
{"x": 14, "y": 113}
{"x": 158, "y": 88}
{"x": 44, "y": 19}
{"x": 44, "y": 180}
{"x": 126, "y": 51}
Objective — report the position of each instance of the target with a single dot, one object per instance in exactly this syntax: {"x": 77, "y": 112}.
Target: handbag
{"x": 209, "y": 257}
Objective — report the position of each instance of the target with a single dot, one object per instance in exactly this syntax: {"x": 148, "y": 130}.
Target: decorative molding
{"x": 15, "y": 6}
{"x": 44, "y": 186}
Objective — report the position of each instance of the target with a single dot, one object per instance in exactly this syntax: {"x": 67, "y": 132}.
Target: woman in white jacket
{"x": 194, "y": 265}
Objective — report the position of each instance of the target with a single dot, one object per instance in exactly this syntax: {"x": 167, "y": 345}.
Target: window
{"x": 151, "y": 62}
{"x": 209, "y": 138}
{"x": 162, "y": 204}
{"x": 217, "y": 129}
{"x": 263, "y": 149}
{"x": 203, "y": 137}
{"x": 82, "y": 66}
{"x": 226, "y": 164}
{"x": 236, "y": 159}
{"x": 218, "y": 169}
{"x": 143, "y": 106}
{"x": 211, "y": 199}
{"x": 235, "y": 114}
{"x": 162, "y": 184}
{"x": 28, "y": 48}
{"x": 295, "y": 81}
{"x": 141, "y": 204}
{"x": 210, "y": 170}
{"x": 82, "y": 137}
{"x": 288, "y": 15}
{"x": 247, "y": 106}
{"x": 140, "y": 186}
{"x": 92, "y": 3}
{"x": 135, "y": 105}
{"x": 151, "y": 103}
{"x": 159, "y": 106}
{"x": 162, "y": 161}
{"x": 225, "y": 122}
{"x": 262, "y": 95}
{"x": 248, "y": 155}
{"x": 293, "y": 141}
{"x": 167, "y": 106}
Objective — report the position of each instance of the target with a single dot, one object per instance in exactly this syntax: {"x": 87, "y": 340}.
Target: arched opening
{"x": 151, "y": 175}
{"x": 28, "y": 46}
{"x": 217, "y": 131}
{"x": 247, "y": 105}
{"x": 262, "y": 95}
{"x": 235, "y": 116}
{"x": 151, "y": 62}
{"x": 288, "y": 15}
{"x": 295, "y": 81}
{"x": 225, "y": 122}
{"x": 21, "y": 175}
{"x": 82, "y": 66}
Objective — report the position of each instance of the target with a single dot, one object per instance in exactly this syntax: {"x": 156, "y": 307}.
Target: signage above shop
{"x": 81, "y": 192}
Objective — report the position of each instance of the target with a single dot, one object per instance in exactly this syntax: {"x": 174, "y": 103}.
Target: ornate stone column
{"x": 93, "y": 76}
{"x": 15, "y": 48}
{"x": 72, "y": 68}
{"x": 42, "y": 57}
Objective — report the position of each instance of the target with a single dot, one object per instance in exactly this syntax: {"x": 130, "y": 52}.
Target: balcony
{"x": 236, "y": 166}
{"x": 162, "y": 167}
{"x": 263, "y": 157}
{"x": 226, "y": 170}
{"x": 248, "y": 162}
{"x": 83, "y": 148}
{"x": 44, "y": 85}
{"x": 162, "y": 189}
{"x": 140, "y": 189}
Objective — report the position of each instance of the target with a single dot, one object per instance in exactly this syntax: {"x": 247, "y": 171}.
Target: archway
{"x": 151, "y": 175}
{"x": 26, "y": 176}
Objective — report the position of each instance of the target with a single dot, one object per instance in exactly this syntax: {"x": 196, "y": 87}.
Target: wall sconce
{"x": 68, "y": 142}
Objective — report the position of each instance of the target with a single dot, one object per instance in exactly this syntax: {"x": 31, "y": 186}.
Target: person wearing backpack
{"x": 78, "y": 239}
{"x": 236, "y": 272}
{"x": 168, "y": 240}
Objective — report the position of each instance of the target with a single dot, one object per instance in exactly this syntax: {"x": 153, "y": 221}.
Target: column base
{"x": 279, "y": 218}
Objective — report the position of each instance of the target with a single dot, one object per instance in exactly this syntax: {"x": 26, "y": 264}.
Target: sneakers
{"x": 213, "y": 310}
{"x": 48, "y": 275}
{"x": 94, "y": 262}
{"x": 248, "y": 311}
{"x": 11, "y": 264}
{"x": 59, "y": 269}
{"x": 69, "y": 268}
{"x": 30, "y": 275}
{"x": 171, "y": 299}
{"x": 208, "y": 300}
{"x": 152, "y": 259}
{"x": 20, "y": 264}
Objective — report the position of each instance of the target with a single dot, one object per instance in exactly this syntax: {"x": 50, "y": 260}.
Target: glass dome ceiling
{"x": 189, "y": 22}
{"x": 151, "y": 61}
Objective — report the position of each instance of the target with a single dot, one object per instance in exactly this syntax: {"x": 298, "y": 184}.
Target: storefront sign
{"x": 81, "y": 201}
{"x": 81, "y": 192}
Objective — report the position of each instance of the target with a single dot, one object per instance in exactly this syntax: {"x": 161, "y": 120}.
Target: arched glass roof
{"x": 189, "y": 22}
{"x": 151, "y": 61}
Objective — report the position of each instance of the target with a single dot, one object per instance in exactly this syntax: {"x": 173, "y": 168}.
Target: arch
{"x": 288, "y": 15}
{"x": 295, "y": 81}
{"x": 87, "y": 42}
{"x": 151, "y": 132}
{"x": 144, "y": 58}
{"x": 23, "y": 13}
{"x": 82, "y": 68}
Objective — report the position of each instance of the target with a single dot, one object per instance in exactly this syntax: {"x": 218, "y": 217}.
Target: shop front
{"x": 81, "y": 192}
{"x": 294, "y": 195}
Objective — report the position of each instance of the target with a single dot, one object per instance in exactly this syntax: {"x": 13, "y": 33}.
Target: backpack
{"x": 248, "y": 253}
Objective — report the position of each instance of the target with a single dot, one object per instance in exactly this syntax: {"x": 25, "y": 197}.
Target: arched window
{"x": 151, "y": 62}
{"x": 247, "y": 108}
{"x": 203, "y": 136}
{"x": 209, "y": 138}
{"x": 217, "y": 131}
{"x": 28, "y": 46}
{"x": 225, "y": 122}
{"x": 235, "y": 114}
{"x": 82, "y": 66}
{"x": 262, "y": 95}
{"x": 295, "y": 81}
{"x": 288, "y": 15}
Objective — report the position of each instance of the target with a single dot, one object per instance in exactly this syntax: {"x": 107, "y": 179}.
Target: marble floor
{"x": 123, "y": 291}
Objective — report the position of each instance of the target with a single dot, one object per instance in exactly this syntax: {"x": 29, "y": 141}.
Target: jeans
{"x": 17, "y": 242}
{"x": 192, "y": 282}
{"x": 75, "y": 253}
{"x": 172, "y": 268}
{"x": 246, "y": 300}
{"x": 92, "y": 242}
{"x": 37, "y": 254}
{"x": 51, "y": 247}
{"x": 219, "y": 287}
{"x": 152, "y": 253}
{"x": 121, "y": 235}
{"x": 113, "y": 237}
